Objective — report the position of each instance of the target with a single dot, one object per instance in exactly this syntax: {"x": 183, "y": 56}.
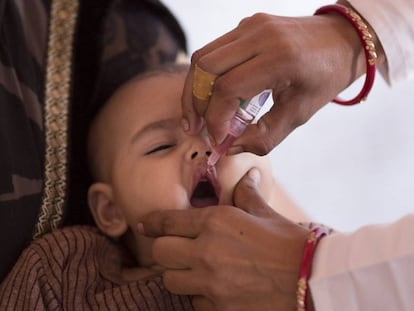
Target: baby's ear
{"x": 107, "y": 214}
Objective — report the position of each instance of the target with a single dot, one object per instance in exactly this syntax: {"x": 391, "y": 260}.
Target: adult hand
{"x": 230, "y": 258}
{"x": 306, "y": 61}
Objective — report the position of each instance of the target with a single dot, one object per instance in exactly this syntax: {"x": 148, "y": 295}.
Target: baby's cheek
{"x": 165, "y": 197}
{"x": 174, "y": 197}
{"x": 232, "y": 168}
{"x": 229, "y": 172}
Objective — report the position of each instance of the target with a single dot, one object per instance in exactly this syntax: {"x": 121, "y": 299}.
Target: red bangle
{"x": 306, "y": 266}
{"x": 367, "y": 43}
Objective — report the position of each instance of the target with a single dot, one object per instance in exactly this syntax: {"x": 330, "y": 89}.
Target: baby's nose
{"x": 196, "y": 154}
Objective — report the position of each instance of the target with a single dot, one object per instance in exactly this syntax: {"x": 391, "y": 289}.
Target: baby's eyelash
{"x": 160, "y": 148}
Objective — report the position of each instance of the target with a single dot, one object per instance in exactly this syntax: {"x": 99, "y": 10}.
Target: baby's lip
{"x": 206, "y": 190}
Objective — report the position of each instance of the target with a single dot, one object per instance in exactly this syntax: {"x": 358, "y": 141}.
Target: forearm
{"x": 352, "y": 62}
{"x": 372, "y": 269}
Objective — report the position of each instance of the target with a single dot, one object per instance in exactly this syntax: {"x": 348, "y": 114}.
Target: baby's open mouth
{"x": 204, "y": 194}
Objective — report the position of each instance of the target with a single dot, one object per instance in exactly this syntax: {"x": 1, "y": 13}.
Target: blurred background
{"x": 348, "y": 166}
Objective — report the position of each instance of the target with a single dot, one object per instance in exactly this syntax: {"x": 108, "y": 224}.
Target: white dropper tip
{"x": 213, "y": 158}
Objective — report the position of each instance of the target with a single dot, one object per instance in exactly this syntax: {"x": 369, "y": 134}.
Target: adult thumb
{"x": 247, "y": 196}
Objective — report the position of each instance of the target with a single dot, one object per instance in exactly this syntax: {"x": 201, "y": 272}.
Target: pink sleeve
{"x": 393, "y": 22}
{"x": 370, "y": 269}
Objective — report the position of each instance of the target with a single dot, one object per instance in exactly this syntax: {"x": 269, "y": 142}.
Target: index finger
{"x": 193, "y": 108}
{"x": 185, "y": 223}
{"x": 190, "y": 114}
{"x": 215, "y": 58}
{"x": 289, "y": 111}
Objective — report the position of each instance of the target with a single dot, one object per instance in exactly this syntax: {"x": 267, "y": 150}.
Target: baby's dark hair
{"x": 172, "y": 68}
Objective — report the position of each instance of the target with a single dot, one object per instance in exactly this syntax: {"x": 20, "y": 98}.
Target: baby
{"x": 141, "y": 161}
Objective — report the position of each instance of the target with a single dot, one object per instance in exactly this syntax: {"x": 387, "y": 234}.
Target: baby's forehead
{"x": 143, "y": 100}
{"x": 157, "y": 86}
{"x": 155, "y": 94}
{"x": 170, "y": 71}
{"x": 177, "y": 73}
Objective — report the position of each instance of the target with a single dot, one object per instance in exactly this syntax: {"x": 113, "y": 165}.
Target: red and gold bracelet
{"x": 368, "y": 44}
{"x": 306, "y": 265}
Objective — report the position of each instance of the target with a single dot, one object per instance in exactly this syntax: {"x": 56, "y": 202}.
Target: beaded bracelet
{"x": 306, "y": 265}
{"x": 367, "y": 43}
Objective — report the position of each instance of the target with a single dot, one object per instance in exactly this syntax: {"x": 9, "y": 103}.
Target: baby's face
{"x": 154, "y": 164}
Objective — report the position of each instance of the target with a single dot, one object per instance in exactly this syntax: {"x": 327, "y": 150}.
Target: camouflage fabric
{"x": 58, "y": 61}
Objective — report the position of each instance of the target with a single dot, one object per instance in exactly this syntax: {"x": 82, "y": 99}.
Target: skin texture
{"x": 306, "y": 61}
{"x": 230, "y": 267}
{"x": 144, "y": 161}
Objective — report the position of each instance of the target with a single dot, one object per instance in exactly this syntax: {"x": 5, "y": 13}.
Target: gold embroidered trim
{"x": 57, "y": 94}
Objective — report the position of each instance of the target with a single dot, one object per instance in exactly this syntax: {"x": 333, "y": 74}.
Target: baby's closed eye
{"x": 160, "y": 148}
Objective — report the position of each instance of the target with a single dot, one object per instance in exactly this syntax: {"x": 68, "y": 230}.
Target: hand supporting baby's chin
{"x": 141, "y": 273}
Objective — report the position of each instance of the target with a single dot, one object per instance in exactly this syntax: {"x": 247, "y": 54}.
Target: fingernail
{"x": 140, "y": 228}
{"x": 254, "y": 174}
{"x": 185, "y": 124}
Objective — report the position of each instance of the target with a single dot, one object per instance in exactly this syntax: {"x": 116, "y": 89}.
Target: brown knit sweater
{"x": 77, "y": 268}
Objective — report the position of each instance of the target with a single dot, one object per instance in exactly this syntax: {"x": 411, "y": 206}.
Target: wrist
{"x": 351, "y": 51}
{"x": 379, "y": 49}
{"x": 367, "y": 43}
{"x": 284, "y": 267}
{"x": 304, "y": 300}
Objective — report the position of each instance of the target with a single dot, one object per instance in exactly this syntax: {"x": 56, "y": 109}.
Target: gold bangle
{"x": 203, "y": 83}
